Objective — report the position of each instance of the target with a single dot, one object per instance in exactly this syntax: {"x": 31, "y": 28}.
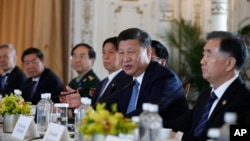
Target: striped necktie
{"x": 204, "y": 118}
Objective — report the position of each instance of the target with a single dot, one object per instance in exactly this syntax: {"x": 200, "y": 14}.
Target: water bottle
{"x": 18, "y": 93}
{"x": 79, "y": 114}
{"x": 213, "y": 134}
{"x": 84, "y": 106}
{"x": 135, "y": 119}
{"x": 43, "y": 114}
{"x": 144, "y": 123}
{"x": 155, "y": 122}
{"x": 230, "y": 118}
{"x": 48, "y": 97}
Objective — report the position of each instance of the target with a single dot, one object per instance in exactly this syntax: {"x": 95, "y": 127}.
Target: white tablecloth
{"x": 8, "y": 137}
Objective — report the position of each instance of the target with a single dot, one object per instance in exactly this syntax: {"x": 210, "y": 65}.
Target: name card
{"x": 25, "y": 128}
{"x": 56, "y": 132}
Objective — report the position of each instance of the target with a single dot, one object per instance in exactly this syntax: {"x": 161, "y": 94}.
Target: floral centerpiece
{"x": 102, "y": 121}
{"x": 13, "y": 104}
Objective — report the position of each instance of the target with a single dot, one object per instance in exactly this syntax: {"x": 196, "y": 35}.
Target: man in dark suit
{"x": 159, "y": 52}
{"x": 117, "y": 79}
{"x": 12, "y": 76}
{"x": 224, "y": 55}
{"x": 41, "y": 79}
{"x": 155, "y": 83}
{"x": 108, "y": 90}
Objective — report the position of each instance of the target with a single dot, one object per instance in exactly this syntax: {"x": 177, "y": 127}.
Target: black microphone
{"x": 188, "y": 80}
{"x": 129, "y": 85}
{"x": 79, "y": 90}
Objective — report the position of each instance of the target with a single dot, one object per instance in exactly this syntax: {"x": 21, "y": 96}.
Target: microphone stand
{"x": 131, "y": 84}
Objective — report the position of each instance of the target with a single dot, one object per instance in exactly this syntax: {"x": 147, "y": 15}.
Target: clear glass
{"x": 60, "y": 114}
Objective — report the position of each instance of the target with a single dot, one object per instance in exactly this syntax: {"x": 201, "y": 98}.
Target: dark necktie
{"x": 106, "y": 80}
{"x": 205, "y": 114}
{"x": 33, "y": 88}
{"x": 3, "y": 80}
{"x": 133, "y": 99}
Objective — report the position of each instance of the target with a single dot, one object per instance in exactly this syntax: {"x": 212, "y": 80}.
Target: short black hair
{"x": 32, "y": 50}
{"x": 92, "y": 54}
{"x": 135, "y": 33}
{"x": 112, "y": 40}
{"x": 160, "y": 50}
{"x": 232, "y": 44}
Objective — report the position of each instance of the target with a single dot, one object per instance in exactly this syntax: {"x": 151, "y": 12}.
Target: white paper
{"x": 56, "y": 132}
{"x": 25, "y": 128}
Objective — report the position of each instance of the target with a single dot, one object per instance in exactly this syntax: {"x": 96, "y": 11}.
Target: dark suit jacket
{"x": 235, "y": 99}
{"x": 49, "y": 82}
{"x": 159, "y": 86}
{"x": 15, "y": 80}
{"x": 118, "y": 83}
{"x": 88, "y": 84}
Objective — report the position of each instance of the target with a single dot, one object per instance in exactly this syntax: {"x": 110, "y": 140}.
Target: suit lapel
{"x": 145, "y": 83}
{"x": 226, "y": 97}
{"x": 109, "y": 90}
{"x": 113, "y": 86}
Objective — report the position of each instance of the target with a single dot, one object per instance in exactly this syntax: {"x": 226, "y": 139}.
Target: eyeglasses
{"x": 81, "y": 57}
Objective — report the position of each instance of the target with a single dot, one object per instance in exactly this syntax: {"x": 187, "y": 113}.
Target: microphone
{"x": 131, "y": 84}
{"x": 189, "y": 79}
{"x": 79, "y": 90}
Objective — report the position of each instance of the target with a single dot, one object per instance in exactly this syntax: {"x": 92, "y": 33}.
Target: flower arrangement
{"x": 14, "y": 104}
{"x": 105, "y": 122}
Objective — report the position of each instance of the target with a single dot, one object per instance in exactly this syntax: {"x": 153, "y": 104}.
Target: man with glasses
{"x": 41, "y": 79}
{"x": 82, "y": 60}
{"x": 159, "y": 52}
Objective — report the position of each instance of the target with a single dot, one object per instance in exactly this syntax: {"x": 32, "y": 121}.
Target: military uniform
{"x": 86, "y": 83}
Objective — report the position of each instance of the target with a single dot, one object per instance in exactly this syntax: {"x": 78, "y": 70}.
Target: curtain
{"x": 36, "y": 23}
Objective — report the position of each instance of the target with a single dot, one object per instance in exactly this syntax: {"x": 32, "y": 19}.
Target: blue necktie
{"x": 106, "y": 80}
{"x": 205, "y": 114}
{"x": 133, "y": 98}
{"x": 3, "y": 81}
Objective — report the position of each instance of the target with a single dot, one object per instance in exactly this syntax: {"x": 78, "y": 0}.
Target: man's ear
{"x": 149, "y": 52}
{"x": 92, "y": 61}
{"x": 230, "y": 64}
{"x": 163, "y": 62}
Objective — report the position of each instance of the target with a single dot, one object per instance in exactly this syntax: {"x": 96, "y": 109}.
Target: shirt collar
{"x": 36, "y": 79}
{"x": 113, "y": 74}
{"x": 222, "y": 88}
{"x": 7, "y": 72}
{"x": 139, "y": 78}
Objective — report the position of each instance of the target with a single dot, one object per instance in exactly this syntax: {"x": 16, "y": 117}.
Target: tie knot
{"x": 106, "y": 80}
{"x": 3, "y": 76}
{"x": 213, "y": 96}
{"x": 136, "y": 83}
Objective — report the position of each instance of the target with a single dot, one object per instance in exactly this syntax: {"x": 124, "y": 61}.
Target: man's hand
{"x": 74, "y": 99}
